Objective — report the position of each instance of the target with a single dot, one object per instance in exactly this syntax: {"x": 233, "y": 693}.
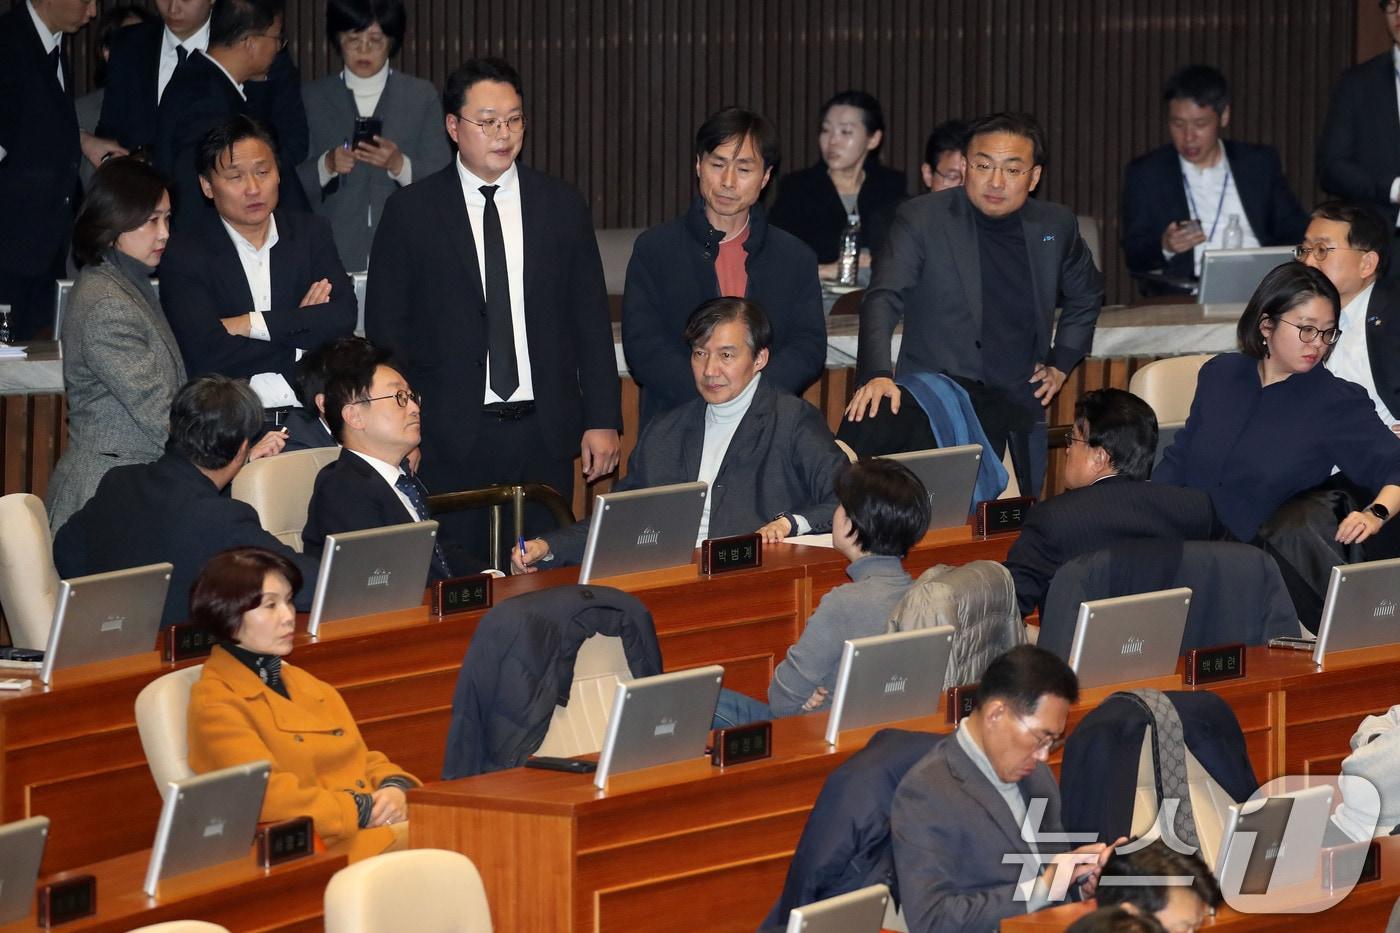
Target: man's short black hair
{"x": 1017, "y": 124}
{"x": 1367, "y": 230}
{"x": 359, "y": 15}
{"x": 223, "y": 136}
{"x": 348, "y": 370}
{"x": 886, "y": 503}
{"x": 232, "y": 20}
{"x": 736, "y": 123}
{"x": 1123, "y": 425}
{"x": 311, "y": 369}
{"x": 1203, "y": 85}
{"x": 1023, "y": 675}
{"x": 1282, "y": 290}
{"x": 210, "y": 419}
{"x": 1115, "y": 920}
{"x": 948, "y": 136}
{"x": 1156, "y": 860}
{"x": 871, "y": 116}
{"x": 704, "y": 319}
{"x": 486, "y": 68}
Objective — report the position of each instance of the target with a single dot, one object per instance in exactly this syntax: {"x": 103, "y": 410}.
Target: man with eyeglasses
{"x": 485, "y": 282}
{"x": 244, "y": 70}
{"x": 986, "y": 792}
{"x": 974, "y": 274}
{"x": 1358, "y": 153}
{"x": 943, "y": 156}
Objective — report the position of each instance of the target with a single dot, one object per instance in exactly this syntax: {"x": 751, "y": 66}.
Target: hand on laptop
{"x": 535, "y": 551}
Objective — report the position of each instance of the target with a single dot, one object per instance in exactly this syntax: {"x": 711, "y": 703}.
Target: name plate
{"x": 69, "y": 899}
{"x": 1209, "y": 665}
{"x": 739, "y": 744}
{"x": 462, "y": 594}
{"x": 736, "y": 552}
{"x": 998, "y": 516}
{"x": 184, "y": 641}
{"x": 960, "y": 701}
{"x": 285, "y": 841}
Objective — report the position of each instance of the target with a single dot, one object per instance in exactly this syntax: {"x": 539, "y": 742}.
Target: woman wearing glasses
{"x": 1270, "y": 421}
{"x": 355, "y": 164}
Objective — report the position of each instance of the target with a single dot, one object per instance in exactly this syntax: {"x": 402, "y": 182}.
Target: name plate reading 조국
{"x": 736, "y": 552}
{"x": 461, "y": 594}
{"x": 997, "y": 516}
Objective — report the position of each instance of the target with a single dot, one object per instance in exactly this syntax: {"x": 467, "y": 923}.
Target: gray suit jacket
{"x": 950, "y": 828}
{"x": 782, "y": 458}
{"x": 930, "y": 276}
{"x": 121, "y": 368}
{"x": 412, "y": 115}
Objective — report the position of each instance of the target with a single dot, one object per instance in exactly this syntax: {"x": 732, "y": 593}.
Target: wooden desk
{"x": 238, "y": 895}
{"x": 1366, "y": 908}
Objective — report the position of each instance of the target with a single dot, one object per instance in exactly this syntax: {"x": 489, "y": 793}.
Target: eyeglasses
{"x": 492, "y": 126}
{"x": 1301, "y": 253}
{"x": 280, "y": 38}
{"x": 367, "y": 42}
{"x": 1307, "y": 333}
{"x": 1389, "y": 7}
{"x": 1071, "y": 439}
{"x": 955, "y": 178}
{"x": 403, "y": 397}
{"x": 1046, "y": 742}
{"x": 1012, "y": 172}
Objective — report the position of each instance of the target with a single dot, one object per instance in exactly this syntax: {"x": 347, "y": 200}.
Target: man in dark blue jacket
{"x": 722, "y": 247}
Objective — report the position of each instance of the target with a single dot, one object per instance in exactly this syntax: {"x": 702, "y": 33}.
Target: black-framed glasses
{"x": 952, "y": 178}
{"x": 491, "y": 127}
{"x": 280, "y": 38}
{"x": 1012, "y": 172}
{"x": 1071, "y": 439}
{"x": 1389, "y": 7}
{"x": 1044, "y": 741}
{"x": 1308, "y": 333}
{"x": 403, "y": 397}
{"x": 1302, "y": 252}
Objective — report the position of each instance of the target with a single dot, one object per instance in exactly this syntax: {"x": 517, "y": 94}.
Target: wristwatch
{"x": 1378, "y": 510}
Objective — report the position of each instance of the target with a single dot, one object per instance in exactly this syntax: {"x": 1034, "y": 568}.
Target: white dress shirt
{"x": 50, "y": 39}
{"x": 272, "y": 388}
{"x": 1203, "y": 187}
{"x": 169, "y": 59}
{"x": 513, "y": 231}
{"x": 1350, "y": 358}
{"x": 391, "y": 473}
{"x": 219, "y": 66}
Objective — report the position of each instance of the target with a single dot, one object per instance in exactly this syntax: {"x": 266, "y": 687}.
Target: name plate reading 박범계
{"x": 736, "y": 552}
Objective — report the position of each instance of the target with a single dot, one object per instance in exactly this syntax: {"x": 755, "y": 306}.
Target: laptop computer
{"x": 21, "y": 851}
{"x": 644, "y": 529}
{"x": 860, "y": 911}
{"x": 886, "y": 678}
{"x": 950, "y": 475}
{"x": 1273, "y": 842}
{"x": 658, "y": 720}
{"x": 1129, "y": 637}
{"x": 207, "y": 819}
{"x": 374, "y": 570}
{"x": 1359, "y": 609}
{"x": 1230, "y": 276}
{"x": 1166, "y": 436}
{"x": 106, "y": 616}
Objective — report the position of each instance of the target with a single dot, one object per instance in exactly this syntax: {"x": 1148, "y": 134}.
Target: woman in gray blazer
{"x": 121, "y": 365}
{"x": 346, "y": 181}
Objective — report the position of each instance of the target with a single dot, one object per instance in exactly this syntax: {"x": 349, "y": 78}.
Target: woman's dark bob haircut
{"x": 232, "y": 584}
{"x": 359, "y": 15}
{"x": 1282, "y": 290}
{"x": 123, "y": 194}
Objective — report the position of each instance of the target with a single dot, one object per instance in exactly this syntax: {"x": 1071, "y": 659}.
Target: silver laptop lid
{"x": 1359, "y": 610}
{"x": 1273, "y": 842}
{"x": 1129, "y": 637}
{"x": 860, "y": 911}
{"x": 106, "y": 616}
{"x": 658, "y": 720}
{"x": 1166, "y": 436}
{"x": 1230, "y": 276}
{"x": 375, "y": 570}
{"x": 950, "y": 476}
{"x": 21, "y": 851}
{"x": 207, "y": 820}
{"x": 886, "y": 678}
{"x": 643, "y": 529}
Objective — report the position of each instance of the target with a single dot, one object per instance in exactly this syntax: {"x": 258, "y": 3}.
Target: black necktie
{"x": 181, "y": 53}
{"x": 56, "y": 63}
{"x": 500, "y": 330}
{"x": 414, "y": 493}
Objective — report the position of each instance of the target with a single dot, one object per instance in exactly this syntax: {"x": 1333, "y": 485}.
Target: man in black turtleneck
{"x": 974, "y": 273}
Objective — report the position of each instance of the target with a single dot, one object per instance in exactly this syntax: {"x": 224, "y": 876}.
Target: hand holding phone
{"x": 366, "y": 128}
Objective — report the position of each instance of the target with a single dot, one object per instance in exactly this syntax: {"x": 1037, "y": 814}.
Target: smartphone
{"x": 21, "y": 654}
{"x": 1294, "y": 642}
{"x": 1189, "y": 225}
{"x": 366, "y": 128}
{"x": 573, "y": 765}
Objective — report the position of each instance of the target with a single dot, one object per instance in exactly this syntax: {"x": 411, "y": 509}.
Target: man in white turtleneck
{"x": 768, "y": 458}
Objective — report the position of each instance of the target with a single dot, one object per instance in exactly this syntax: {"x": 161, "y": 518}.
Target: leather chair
{"x": 427, "y": 890}
{"x": 182, "y": 926}
{"x": 28, "y": 580}
{"x": 1169, "y": 385}
{"x": 279, "y": 489}
{"x": 161, "y": 719}
{"x": 615, "y": 249}
{"x": 578, "y": 729}
{"x": 1092, "y": 232}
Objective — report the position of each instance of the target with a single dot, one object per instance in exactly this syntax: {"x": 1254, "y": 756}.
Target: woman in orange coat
{"x": 248, "y": 705}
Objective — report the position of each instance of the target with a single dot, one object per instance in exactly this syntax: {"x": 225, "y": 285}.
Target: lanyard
{"x": 1219, "y": 207}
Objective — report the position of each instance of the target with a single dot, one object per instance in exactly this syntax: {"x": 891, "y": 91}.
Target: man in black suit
{"x": 142, "y": 62}
{"x": 1109, "y": 501}
{"x": 241, "y": 72}
{"x": 1358, "y": 153}
{"x": 176, "y": 509}
{"x": 488, "y": 288}
{"x": 249, "y": 286}
{"x": 1179, "y": 199}
{"x": 40, "y": 150}
{"x": 974, "y": 273}
{"x": 768, "y": 458}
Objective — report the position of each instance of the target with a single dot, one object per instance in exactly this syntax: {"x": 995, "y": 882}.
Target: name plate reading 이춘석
{"x": 461, "y": 594}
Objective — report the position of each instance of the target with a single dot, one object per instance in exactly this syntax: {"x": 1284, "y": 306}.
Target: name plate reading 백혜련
{"x": 1208, "y": 665}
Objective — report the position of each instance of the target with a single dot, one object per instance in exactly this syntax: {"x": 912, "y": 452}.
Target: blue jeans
{"x": 736, "y": 709}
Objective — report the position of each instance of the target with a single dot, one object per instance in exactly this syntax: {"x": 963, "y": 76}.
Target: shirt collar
{"x": 50, "y": 39}
{"x": 1219, "y": 168}
{"x": 980, "y": 759}
{"x": 1354, "y": 313}
{"x": 1395, "y": 56}
{"x": 472, "y": 185}
{"x": 390, "y": 471}
{"x": 199, "y": 41}
{"x": 241, "y": 243}
{"x": 219, "y": 66}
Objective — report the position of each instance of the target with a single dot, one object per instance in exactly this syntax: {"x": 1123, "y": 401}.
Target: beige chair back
{"x": 1209, "y": 802}
{"x": 162, "y": 720}
{"x": 28, "y": 580}
{"x": 279, "y": 489}
{"x": 577, "y": 729}
{"x": 1169, "y": 385}
{"x": 1092, "y": 232}
{"x": 615, "y": 249}
{"x": 182, "y": 926}
{"x": 425, "y": 890}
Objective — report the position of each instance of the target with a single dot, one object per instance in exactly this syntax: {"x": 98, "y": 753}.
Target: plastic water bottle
{"x": 849, "y": 265}
{"x": 4, "y": 323}
{"x": 1234, "y": 233}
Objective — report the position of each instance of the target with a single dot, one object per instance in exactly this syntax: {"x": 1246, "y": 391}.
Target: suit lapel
{"x": 692, "y": 443}
{"x": 533, "y": 243}
{"x": 283, "y": 271}
{"x": 305, "y": 715}
{"x": 1250, "y": 185}
{"x": 1043, "y": 256}
{"x": 156, "y": 317}
{"x": 976, "y": 785}
{"x": 962, "y": 242}
{"x": 1386, "y": 114}
{"x": 227, "y": 265}
{"x": 452, "y": 204}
